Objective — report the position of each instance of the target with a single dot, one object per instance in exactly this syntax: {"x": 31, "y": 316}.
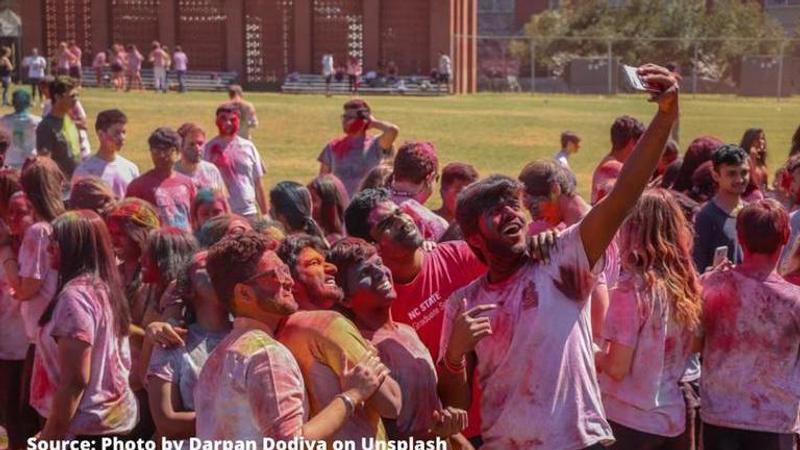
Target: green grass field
{"x": 496, "y": 133}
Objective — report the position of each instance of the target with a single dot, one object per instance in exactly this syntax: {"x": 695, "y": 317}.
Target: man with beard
{"x": 204, "y": 174}
{"x": 525, "y": 328}
{"x": 324, "y": 342}
{"x": 369, "y": 295}
{"x": 239, "y": 163}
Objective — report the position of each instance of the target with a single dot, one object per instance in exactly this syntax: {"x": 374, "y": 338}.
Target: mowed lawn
{"x": 496, "y": 133}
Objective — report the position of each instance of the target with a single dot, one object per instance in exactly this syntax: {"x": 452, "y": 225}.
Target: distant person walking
{"x": 353, "y": 73}
{"x": 119, "y": 59}
{"x": 36, "y": 65}
{"x": 62, "y": 58}
{"x": 99, "y": 64}
{"x": 160, "y": 60}
{"x": 327, "y": 72}
{"x": 445, "y": 69}
{"x": 181, "y": 66}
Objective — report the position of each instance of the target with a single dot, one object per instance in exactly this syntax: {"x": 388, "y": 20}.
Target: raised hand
{"x": 663, "y": 86}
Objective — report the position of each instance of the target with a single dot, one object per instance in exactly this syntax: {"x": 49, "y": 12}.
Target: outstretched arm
{"x": 601, "y": 224}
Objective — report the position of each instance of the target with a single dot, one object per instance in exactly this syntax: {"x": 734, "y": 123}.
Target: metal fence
{"x": 756, "y": 67}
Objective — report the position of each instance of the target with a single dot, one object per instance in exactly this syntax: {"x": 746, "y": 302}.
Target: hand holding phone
{"x": 633, "y": 79}
{"x": 720, "y": 255}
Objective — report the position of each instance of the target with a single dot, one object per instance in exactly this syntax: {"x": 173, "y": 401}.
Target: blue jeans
{"x": 181, "y": 80}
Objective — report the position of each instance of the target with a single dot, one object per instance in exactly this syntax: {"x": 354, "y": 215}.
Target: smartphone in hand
{"x": 633, "y": 79}
{"x": 720, "y": 254}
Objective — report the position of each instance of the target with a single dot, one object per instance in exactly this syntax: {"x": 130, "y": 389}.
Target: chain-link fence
{"x": 591, "y": 65}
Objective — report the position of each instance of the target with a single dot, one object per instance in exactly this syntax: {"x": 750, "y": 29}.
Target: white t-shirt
{"x": 181, "y": 61}
{"x": 648, "y": 398}
{"x": 536, "y": 370}
{"x": 206, "y": 176}
{"x": 118, "y": 173}
{"x": 22, "y": 129}
{"x": 240, "y": 165}
{"x": 36, "y": 66}
{"x": 327, "y": 65}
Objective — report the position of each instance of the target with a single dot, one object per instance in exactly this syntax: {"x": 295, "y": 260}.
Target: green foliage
{"x": 586, "y": 27}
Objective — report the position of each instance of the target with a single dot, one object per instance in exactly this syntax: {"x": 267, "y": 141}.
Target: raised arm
{"x": 600, "y": 225}
{"x": 389, "y": 132}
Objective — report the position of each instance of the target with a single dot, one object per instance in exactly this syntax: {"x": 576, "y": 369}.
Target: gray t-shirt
{"x": 352, "y": 164}
{"x": 181, "y": 366}
{"x": 117, "y": 174}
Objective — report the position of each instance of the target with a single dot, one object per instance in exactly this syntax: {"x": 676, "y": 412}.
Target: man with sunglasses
{"x": 415, "y": 174}
{"x": 352, "y": 156}
{"x": 170, "y": 192}
{"x": 57, "y": 135}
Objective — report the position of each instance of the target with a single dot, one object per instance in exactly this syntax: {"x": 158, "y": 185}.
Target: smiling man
{"x": 525, "y": 328}
{"x": 324, "y": 342}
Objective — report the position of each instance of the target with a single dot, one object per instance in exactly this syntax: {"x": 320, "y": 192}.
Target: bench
{"x": 195, "y": 80}
{"x": 315, "y": 84}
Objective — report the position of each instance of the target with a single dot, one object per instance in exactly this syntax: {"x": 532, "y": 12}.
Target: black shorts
{"x": 75, "y": 72}
{"x": 116, "y": 68}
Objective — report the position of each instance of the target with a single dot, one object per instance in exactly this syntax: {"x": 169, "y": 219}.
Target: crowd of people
{"x": 186, "y": 300}
{"x": 123, "y": 61}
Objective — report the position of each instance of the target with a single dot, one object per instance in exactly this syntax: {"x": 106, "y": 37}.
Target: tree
{"x": 708, "y": 37}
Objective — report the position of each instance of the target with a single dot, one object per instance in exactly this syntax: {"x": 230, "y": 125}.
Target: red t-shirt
{"x": 420, "y": 303}
{"x": 172, "y": 197}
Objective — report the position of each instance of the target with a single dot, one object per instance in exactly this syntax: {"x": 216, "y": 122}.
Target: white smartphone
{"x": 719, "y": 255}
{"x": 633, "y": 78}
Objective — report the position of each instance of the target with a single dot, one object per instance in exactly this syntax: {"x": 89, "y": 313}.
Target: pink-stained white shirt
{"x": 83, "y": 312}
{"x": 34, "y": 262}
{"x": 412, "y": 367}
{"x": 536, "y": 370}
{"x": 250, "y": 388}
{"x": 431, "y": 225}
{"x": 13, "y": 339}
{"x": 751, "y": 355}
{"x": 240, "y": 165}
{"x": 648, "y": 398}
{"x": 206, "y": 176}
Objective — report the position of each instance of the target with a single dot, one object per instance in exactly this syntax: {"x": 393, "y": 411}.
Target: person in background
{"x": 83, "y": 355}
{"x": 207, "y": 204}
{"x": 378, "y": 177}
{"x": 754, "y": 142}
{"x": 181, "y": 66}
{"x": 134, "y": 68}
{"x": 328, "y": 202}
{"x": 291, "y": 205}
{"x": 160, "y": 60}
{"x": 6, "y": 69}
{"x": 570, "y": 145}
{"x": 119, "y": 60}
{"x": 63, "y": 58}
{"x": 239, "y": 163}
{"x": 57, "y": 135}
{"x": 750, "y": 361}
{"x": 99, "y": 64}
{"x": 625, "y": 133}
{"x": 21, "y": 127}
{"x": 169, "y": 191}
{"x": 93, "y": 194}
{"x": 445, "y": 69}
{"x": 352, "y": 156}
{"x": 204, "y": 174}
{"x": 247, "y": 112}
{"x": 455, "y": 177}
{"x": 416, "y": 171}
{"x": 75, "y": 62}
{"x": 107, "y": 164}
{"x": 36, "y": 65}
{"x": 353, "y": 74}
{"x": 327, "y": 72}
{"x": 715, "y": 223}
